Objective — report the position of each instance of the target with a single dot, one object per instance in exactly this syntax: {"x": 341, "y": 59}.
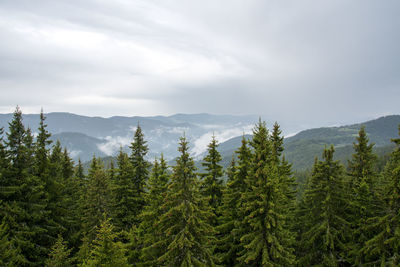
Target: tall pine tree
{"x": 324, "y": 238}
{"x": 188, "y": 236}
{"x": 384, "y": 247}
{"x": 364, "y": 198}
{"x": 266, "y": 242}
{"x": 157, "y": 187}
{"x": 212, "y": 183}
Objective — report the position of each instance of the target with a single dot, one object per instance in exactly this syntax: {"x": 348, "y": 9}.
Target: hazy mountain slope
{"x": 302, "y": 148}
{"x": 161, "y": 132}
{"x": 80, "y": 145}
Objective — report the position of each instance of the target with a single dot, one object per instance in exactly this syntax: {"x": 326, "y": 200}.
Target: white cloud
{"x": 201, "y": 143}
{"x": 113, "y": 144}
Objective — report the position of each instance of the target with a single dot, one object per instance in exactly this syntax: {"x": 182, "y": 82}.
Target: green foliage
{"x": 324, "y": 226}
{"x": 97, "y": 199}
{"x": 139, "y": 176}
{"x": 157, "y": 190}
{"x": 188, "y": 235}
{"x": 383, "y": 247}
{"x": 267, "y": 242}
{"x": 59, "y": 255}
{"x": 363, "y": 194}
{"x": 124, "y": 192}
{"x": 23, "y": 200}
{"x": 105, "y": 249}
{"x": 230, "y": 228}
{"x": 9, "y": 255}
{"x": 212, "y": 183}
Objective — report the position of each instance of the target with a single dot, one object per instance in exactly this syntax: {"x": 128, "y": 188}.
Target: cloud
{"x": 201, "y": 143}
{"x": 295, "y": 62}
{"x": 112, "y": 144}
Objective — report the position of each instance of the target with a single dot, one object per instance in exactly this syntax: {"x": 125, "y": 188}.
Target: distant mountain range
{"x": 87, "y": 136}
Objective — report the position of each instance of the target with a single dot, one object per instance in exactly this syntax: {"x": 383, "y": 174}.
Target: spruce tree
{"x": 226, "y": 245}
{"x": 232, "y": 226}
{"x": 157, "y": 190}
{"x": 324, "y": 238}
{"x": 287, "y": 181}
{"x": 364, "y": 198}
{"x": 24, "y": 204}
{"x": 105, "y": 249}
{"x": 384, "y": 247}
{"x": 97, "y": 199}
{"x": 124, "y": 192}
{"x": 212, "y": 184}
{"x": 8, "y": 252}
{"x": 266, "y": 242}
{"x": 140, "y": 173}
{"x": 59, "y": 255}
{"x": 188, "y": 236}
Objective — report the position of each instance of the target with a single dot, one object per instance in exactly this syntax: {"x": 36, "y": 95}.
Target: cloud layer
{"x": 306, "y": 62}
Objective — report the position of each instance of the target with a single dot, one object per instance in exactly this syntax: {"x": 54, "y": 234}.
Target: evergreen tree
{"x": 124, "y": 192}
{"x": 266, "y": 242}
{"x": 323, "y": 241}
{"x": 226, "y": 245}
{"x": 212, "y": 183}
{"x": 59, "y": 255}
{"x": 188, "y": 236}
{"x": 287, "y": 181}
{"x": 140, "y": 173}
{"x": 79, "y": 173}
{"x": 8, "y": 252}
{"x": 97, "y": 199}
{"x": 24, "y": 205}
{"x": 384, "y": 247}
{"x": 157, "y": 187}
{"x": 42, "y": 151}
{"x": 363, "y": 182}
{"x": 106, "y": 251}
{"x": 231, "y": 227}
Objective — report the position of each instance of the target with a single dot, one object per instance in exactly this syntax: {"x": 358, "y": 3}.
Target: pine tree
{"x": 79, "y": 171}
{"x": 8, "y": 252}
{"x": 59, "y": 255}
{"x": 157, "y": 187}
{"x": 363, "y": 182}
{"x": 226, "y": 245}
{"x": 212, "y": 183}
{"x": 287, "y": 181}
{"x": 140, "y": 173}
{"x": 323, "y": 242}
{"x": 42, "y": 151}
{"x": 97, "y": 199}
{"x": 106, "y": 250}
{"x": 231, "y": 227}
{"x": 384, "y": 247}
{"x": 267, "y": 241}
{"x": 188, "y": 236}
{"x": 124, "y": 192}
{"x": 24, "y": 205}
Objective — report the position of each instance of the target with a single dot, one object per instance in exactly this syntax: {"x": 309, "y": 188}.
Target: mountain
{"x": 302, "y": 148}
{"x": 84, "y": 136}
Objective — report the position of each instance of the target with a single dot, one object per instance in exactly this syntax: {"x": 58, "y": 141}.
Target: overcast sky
{"x": 309, "y": 63}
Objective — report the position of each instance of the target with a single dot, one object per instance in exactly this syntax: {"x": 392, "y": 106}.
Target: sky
{"x": 306, "y": 63}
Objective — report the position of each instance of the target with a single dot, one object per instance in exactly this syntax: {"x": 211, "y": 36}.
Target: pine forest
{"x": 141, "y": 212}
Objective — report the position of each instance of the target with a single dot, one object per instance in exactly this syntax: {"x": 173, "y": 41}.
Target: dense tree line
{"x": 139, "y": 213}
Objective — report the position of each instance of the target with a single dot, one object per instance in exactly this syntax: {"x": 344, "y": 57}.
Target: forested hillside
{"x": 302, "y": 148}
{"x": 141, "y": 213}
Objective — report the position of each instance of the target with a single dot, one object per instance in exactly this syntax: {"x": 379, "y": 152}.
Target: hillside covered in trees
{"x": 141, "y": 213}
